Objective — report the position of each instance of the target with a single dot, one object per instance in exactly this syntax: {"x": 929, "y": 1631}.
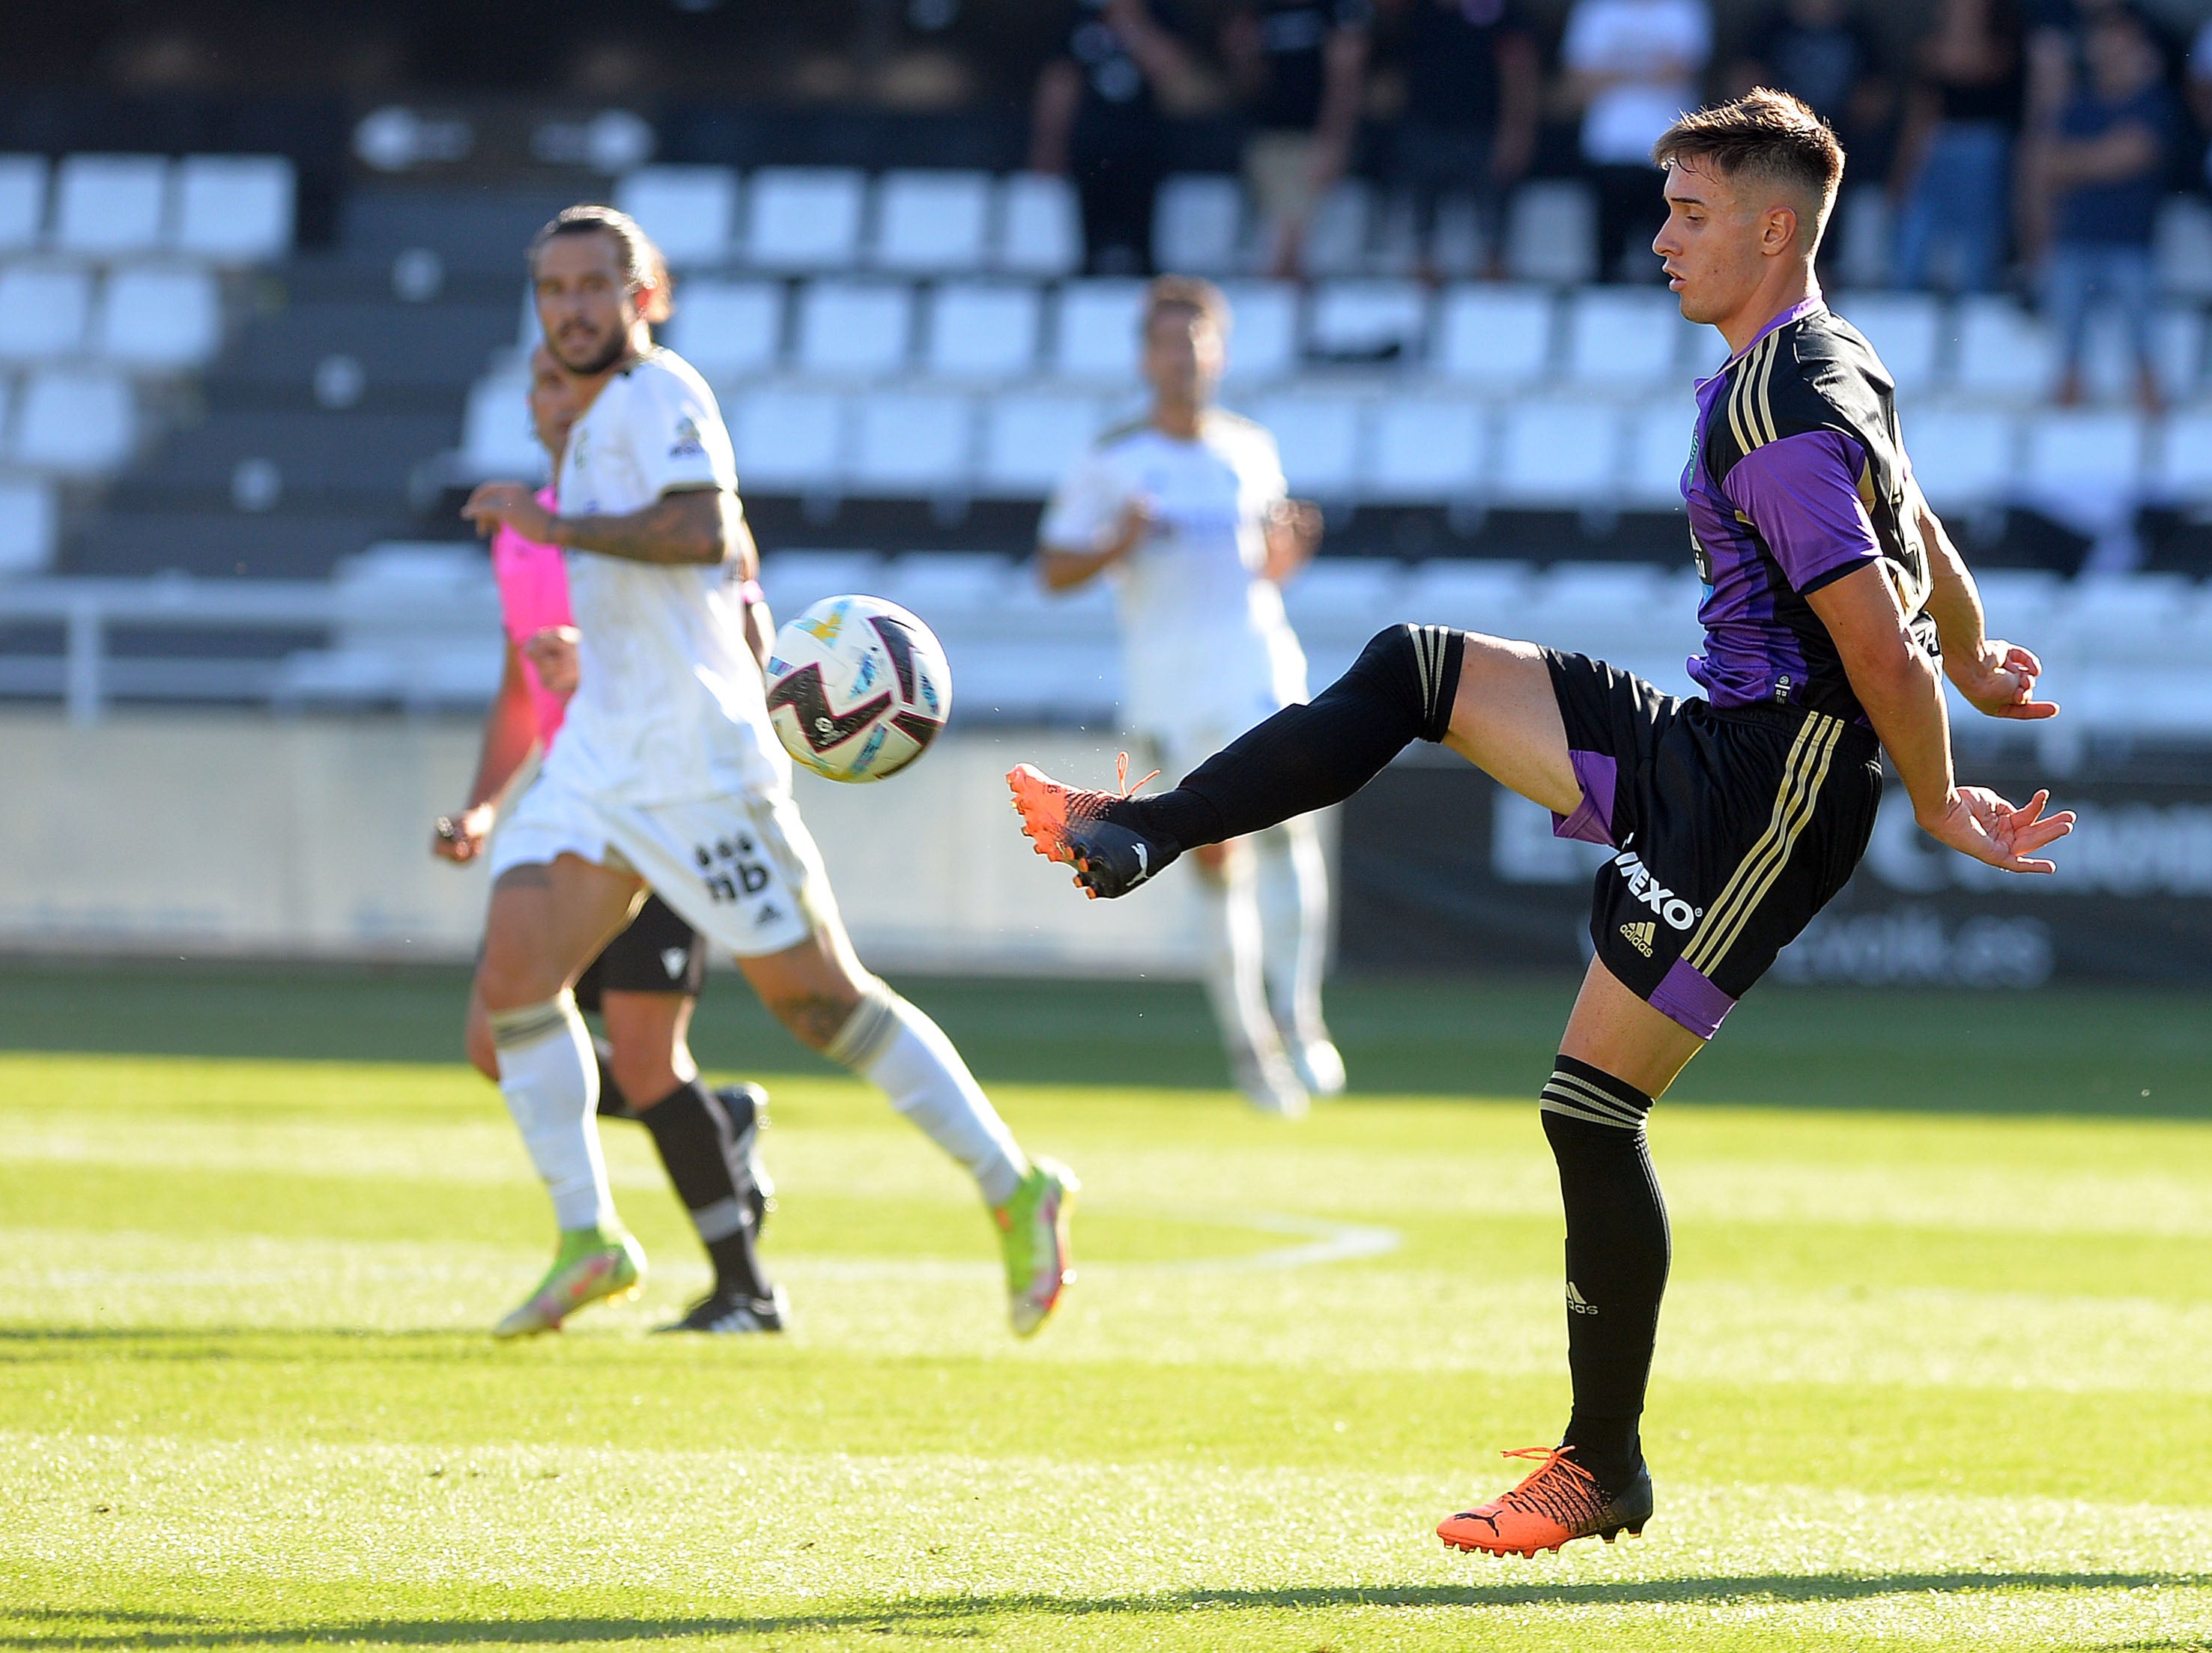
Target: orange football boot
{"x": 1560, "y": 1501}
{"x": 1096, "y": 833}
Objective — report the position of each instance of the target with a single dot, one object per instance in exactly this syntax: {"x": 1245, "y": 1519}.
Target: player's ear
{"x": 1778, "y": 233}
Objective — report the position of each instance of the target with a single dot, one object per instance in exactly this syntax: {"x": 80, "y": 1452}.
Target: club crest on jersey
{"x": 1678, "y": 913}
{"x": 687, "y": 444}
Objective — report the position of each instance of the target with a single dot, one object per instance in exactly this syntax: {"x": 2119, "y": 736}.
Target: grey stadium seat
{"x": 1319, "y": 437}
{"x": 22, "y": 201}
{"x": 727, "y": 328}
{"x": 1038, "y": 233}
{"x": 983, "y": 331}
{"x": 74, "y": 422}
{"x": 931, "y": 222}
{"x": 105, "y": 205}
{"x": 1368, "y": 318}
{"x": 1426, "y": 451}
{"x": 913, "y": 444}
{"x": 1198, "y": 223}
{"x": 1494, "y": 335}
{"x": 1263, "y": 336}
{"x": 800, "y": 218}
{"x": 1032, "y": 438}
{"x": 234, "y": 209}
{"x": 1558, "y": 455}
{"x": 854, "y": 329}
{"x": 1095, "y": 331}
{"x": 44, "y": 309}
{"x": 159, "y": 319}
{"x": 788, "y": 440}
{"x": 690, "y": 212}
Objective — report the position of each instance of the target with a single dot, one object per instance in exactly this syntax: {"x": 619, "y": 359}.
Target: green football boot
{"x": 1033, "y": 1236}
{"x": 593, "y": 1266}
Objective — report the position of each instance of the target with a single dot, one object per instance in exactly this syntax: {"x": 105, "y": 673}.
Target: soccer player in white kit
{"x": 668, "y": 777}
{"x": 1188, "y": 511}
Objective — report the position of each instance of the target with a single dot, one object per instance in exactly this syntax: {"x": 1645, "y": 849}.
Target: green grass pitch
{"x": 1935, "y": 1369}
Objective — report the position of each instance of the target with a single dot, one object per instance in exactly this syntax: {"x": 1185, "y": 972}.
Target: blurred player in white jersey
{"x": 667, "y": 778}
{"x": 1188, "y": 510}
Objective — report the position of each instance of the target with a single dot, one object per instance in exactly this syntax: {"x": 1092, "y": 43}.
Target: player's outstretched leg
{"x": 1400, "y": 690}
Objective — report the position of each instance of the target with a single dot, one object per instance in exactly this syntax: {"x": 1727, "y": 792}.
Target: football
{"x": 858, "y": 688}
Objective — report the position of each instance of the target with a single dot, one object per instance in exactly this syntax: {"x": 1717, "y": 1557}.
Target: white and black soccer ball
{"x": 858, "y": 688}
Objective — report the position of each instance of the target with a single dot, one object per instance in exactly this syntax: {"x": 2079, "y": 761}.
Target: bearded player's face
{"x": 585, "y": 302}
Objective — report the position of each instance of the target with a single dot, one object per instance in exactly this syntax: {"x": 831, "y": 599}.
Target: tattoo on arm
{"x": 693, "y": 527}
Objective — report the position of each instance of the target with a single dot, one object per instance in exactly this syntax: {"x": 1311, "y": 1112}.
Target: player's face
{"x": 585, "y": 302}
{"x": 553, "y": 401}
{"x": 1711, "y": 243}
{"x": 1183, "y": 355}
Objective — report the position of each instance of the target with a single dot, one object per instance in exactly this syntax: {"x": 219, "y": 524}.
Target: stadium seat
{"x": 1039, "y": 233}
{"x": 1862, "y": 235}
{"x": 1427, "y": 450}
{"x": 74, "y": 422}
{"x": 1906, "y": 331}
{"x": 948, "y": 588}
{"x": 496, "y": 436}
{"x": 1337, "y": 239}
{"x": 1344, "y": 600}
{"x": 690, "y": 212}
{"x": 788, "y": 441}
{"x": 2182, "y": 251}
{"x": 983, "y": 331}
{"x": 2123, "y": 617}
{"x": 1095, "y": 337}
{"x": 931, "y": 222}
{"x": 1484, "y": 595}
{"x": 1494, "y": 335}
{"x": 22, "y": 201}
{"x": 854, "y": 329}
{"x": 2184, "y": 470}
{"x": 804, "y": 217}
{"x": 1602, "y": 609}
{"x": 1659, "y": 438}
{"x": 1198, "y": 223}
{"x": 159, "y": 319}
{"x": 109, "y": 204}
{"x": 1263, "y": 331}
{"x": 797, "y": 580}
{"x": 234, "y": 209}
{"x": 1368, "y": 320}
{"x": 44, "y": 311}
{"x": 1551, "y": 234}
{"x": 727, "y": 328}
{"x": 2070, "y": 446}
{"x": 2003, "y": 352}
{"x": 2177, "y": 348}
{"x": 1624, "y": 338}
{"x": 913, "y": 445}
{"x": 1319, "y": 437}
{"x": 1030, "y": 440}
{"x": 28, "y": 525}
{"x": 1963, "y": 457}
{"x": 1558, "y": 455}
{"x": 2018, "y": 602}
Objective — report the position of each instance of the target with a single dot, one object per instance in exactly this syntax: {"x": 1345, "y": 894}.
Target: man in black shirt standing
{"x": 1300, "y": 65}
{"x": 1472, "y": 86}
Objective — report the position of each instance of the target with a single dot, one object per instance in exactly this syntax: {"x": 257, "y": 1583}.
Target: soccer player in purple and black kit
{"x": 1833, "y": 599}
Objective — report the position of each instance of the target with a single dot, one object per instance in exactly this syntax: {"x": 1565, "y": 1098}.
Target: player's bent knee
{"x": 1415, "y": 669}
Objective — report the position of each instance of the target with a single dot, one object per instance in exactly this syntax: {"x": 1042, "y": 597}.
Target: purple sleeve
{"x": 1802, "y": 494}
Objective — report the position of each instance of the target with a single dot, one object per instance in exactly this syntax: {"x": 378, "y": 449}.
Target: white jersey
{"x": 1204, "y": 639}
{"x": 670, "y": 705}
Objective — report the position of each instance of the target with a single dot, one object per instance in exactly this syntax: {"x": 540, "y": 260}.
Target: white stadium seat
{"x": 22, "y": 201}
{"x": 1345, "y": 599}
{"x": 948, "y": 587}
{"x": 1263, "y": 329}
{"x": 1367, "y": 318}
{"x": 159, "y": 319}
{"x": 854, "y": 329}
{"x": 1861, "y": 234}
{"x": 804, "y": 217}
{"x": 2018, "y": 602}
{"x": 1039, "y": 230}
{"x": 931, "y": 222}
{"x": 913, "y": 444}
{"x": 1198, "y": 223}
{"x": 1659, "y": 434}
{"x": 1551, "y": 235}
{"x": 107, "y": 205}
{"x": 28, "y": 525}
{"x": 44, "y": 311}
{"x": 788, "y": 440}
{"x": 1425, "y": 451}
{"x": 1963, "y": 457}
{"x": 234, "y": 209}
{"x": 1094, "y": 335}
{"x": 1336, "y": 240}
{"x": 496, "y": 436}
{"x": 75, "y": 421}
{"x": 1030, "y": 440}
{"x": 984, "y": 330}
{"x": 1494, "y": 335}
{"x": 2182, "y": 249}
{"x": 2120, "y": 616}
{"x": 2003, "y": 352}
{"x": 690, "y": 212}
{"x": 1319, "y": 438}
{"x": 727, "y": 328}
{"x": 797, "y": 580}
{"x": 2068, "y": 446}
{"x": 1484, "y": 595}
{"x": 1624, "y": 338}
{"x": 2177, "y": 352}
{"x": 2183, "y": 471}
{"x": 1906, "y": 331}
{"x": 1559, "y": 455}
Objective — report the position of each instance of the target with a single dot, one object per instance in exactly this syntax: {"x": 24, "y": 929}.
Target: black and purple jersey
{"x": 1798, "y": 477}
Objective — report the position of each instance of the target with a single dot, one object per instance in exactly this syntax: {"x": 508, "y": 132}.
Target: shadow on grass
{"x": 958, "y": 1616}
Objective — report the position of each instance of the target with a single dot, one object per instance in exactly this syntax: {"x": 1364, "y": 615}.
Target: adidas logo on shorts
{"x": 1638, "y": 936}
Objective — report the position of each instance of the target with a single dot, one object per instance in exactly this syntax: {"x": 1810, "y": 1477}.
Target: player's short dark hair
{"x": 1192, "y": 293}
{"x": 1764, "y": 132}
{"x": 643, "y": 262}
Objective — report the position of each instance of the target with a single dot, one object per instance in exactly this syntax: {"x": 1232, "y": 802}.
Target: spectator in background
{"x": 1097, "y": 119}
{"x": 2199, "y": 90}
{"x": 1472, "y": 87}
{"x": 2106, "y": 167}
{"x": 1954, "y": 157}
{"x": 1824, "y": 52}
{"x": 1632, "y": 67}
{"x": 1300, "y": 66}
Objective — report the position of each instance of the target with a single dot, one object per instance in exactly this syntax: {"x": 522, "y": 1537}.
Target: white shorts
{"x": 741, "y": 869}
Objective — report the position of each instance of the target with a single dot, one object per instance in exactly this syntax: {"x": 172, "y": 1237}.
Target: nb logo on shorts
{"x": 1678, "y": 913}
{"x": 1638, "y": 936}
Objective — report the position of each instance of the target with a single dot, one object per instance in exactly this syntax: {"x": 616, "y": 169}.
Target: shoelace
{"x": 1083, "y": 806}
{"x": 1121, "y": 776}
{"x": 1558, "y": 1488}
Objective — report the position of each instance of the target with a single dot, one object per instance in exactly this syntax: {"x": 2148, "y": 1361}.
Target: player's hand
{"x": 552, "y": 654}
{"x": 1131, "y": 528}
{"x": 513, "y": 503}
{"x": 1293, "y": 535}
{"x": 1976, "y": 822}
{"x": 2000, "y": 682}
{"x": 460, "y": 838}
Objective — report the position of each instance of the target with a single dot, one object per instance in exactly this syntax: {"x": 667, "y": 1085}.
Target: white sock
{"x": 893, "y": 1046}
{"x": 551, "y": 1084}
{"x": 1293, "y": 886}
{"x": 1234, "y": 980}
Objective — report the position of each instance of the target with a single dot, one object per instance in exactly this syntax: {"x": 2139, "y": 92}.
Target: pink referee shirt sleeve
{"x": 533, "y": 595}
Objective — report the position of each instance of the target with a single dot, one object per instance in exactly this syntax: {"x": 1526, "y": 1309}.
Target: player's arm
{"x": 1898, "y": 684}
{"x": 760, "y": 623}
{"x": 510, "y": 733}
{"x": 700, "y": 525}
{"x": 1063, "y": 568}
{"x": 1293, "y": 534}
{"x": 1997, "y": 678}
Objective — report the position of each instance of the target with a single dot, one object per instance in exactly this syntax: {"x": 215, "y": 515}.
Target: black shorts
{"x": 1733, "y": 827}
{"x": 659, "y": 953}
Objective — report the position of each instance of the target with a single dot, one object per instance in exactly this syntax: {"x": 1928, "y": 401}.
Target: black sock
{"x": 612, "y": 1103}
{"x": 1617, "y": 1250}
{"x": 691, "y": 1129}
{"x": 1305, "y": 758}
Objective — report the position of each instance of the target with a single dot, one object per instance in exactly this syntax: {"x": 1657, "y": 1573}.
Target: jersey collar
{"x": 1797, "y": 312}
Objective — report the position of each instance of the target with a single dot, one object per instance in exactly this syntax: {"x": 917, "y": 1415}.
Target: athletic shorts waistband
{"x": 1858, "y": 742}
